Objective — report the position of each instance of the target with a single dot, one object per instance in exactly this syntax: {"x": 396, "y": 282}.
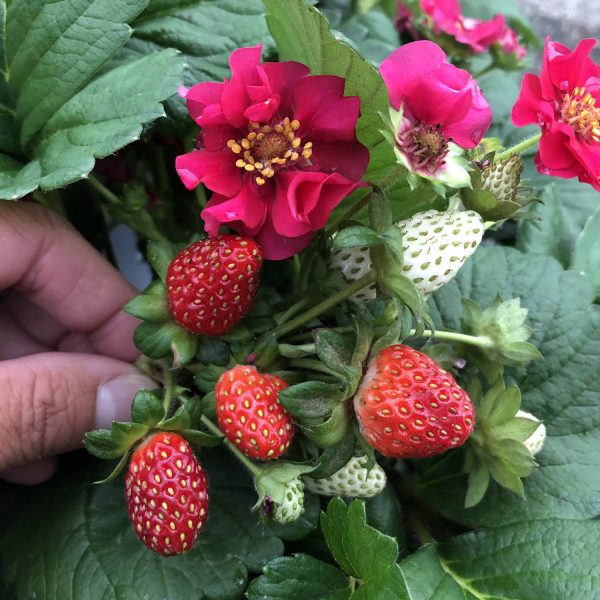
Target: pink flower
{"x": 562, "y": 101}
{"x": 277, "y": 148}
{"x": 440, "y": 104}
{"x": 477, "y": 34}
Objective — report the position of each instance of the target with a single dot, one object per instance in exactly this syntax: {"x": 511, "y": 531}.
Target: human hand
{"x": 65, "y": 344}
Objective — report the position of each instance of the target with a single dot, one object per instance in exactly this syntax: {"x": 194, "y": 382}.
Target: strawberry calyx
{"x": 497, "y": 448}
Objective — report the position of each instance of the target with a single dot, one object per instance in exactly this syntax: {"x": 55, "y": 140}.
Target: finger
{"x": 15, "y": 341}
{"x": 50, "y": 264}
{"x": 50, "y": 400}
{"x": 32, "y": 473}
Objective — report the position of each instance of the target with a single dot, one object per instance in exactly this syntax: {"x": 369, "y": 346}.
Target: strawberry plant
{"x": 371, "y": 322}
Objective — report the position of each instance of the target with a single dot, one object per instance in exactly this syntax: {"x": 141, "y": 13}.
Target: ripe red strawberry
{"x": 250, "y": 414}
{"x": 166, "y": 491}
{"x": 212, "y": 283}
{"x": 409, "y": 407}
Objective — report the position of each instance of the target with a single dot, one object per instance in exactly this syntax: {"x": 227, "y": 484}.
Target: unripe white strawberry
{"x": 355, "y": 263}
{"x": 292, "y": 506}
{"x": 353, "y": 480}
{"x": 503, "y": 178}
{"x": 435, "y": 246}
{"x": 535, "y": 441}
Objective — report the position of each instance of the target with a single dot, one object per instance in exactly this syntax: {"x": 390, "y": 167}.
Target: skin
{"x": 62, "y": 335}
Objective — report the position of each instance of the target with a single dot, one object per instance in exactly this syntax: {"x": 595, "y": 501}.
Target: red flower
{"x": 562, "y": 101}
{"x": 477, "y": 34}
{"x": 278, "y": 148}
{"x": 440, "y": 105}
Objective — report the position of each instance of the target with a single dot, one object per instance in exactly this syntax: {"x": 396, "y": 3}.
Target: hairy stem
{"x": 518, "y": 148}
{"x": 232, "y": 447}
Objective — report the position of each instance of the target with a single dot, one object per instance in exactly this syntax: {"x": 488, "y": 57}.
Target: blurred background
{"x": 567, "y": 21}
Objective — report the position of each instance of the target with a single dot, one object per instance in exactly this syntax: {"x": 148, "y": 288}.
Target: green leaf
{"x": 336, "y": 351}
{"x": 384, "y": 512}
{"x": 95, "y": 553}
{"x": 147, "y": 408}
{"x": 302, "y": 33}
{"x": 546, "y": 559}
{"x": 205, "y": 32}
{"x": 562, "y": 390}
{"x": 586, "y": 256}
{"x": 332, "y": 430}
{"x": 201, "y": 438}
{"x": 363, "y": 552}
{"x": 300, "y": 576}
{"x": 68, "y": 121}
{"x": 179, "y": 420}
{"x": 51, "y": 47}
{"x": 356, "y": 236}
{"x": 3, "y": 68}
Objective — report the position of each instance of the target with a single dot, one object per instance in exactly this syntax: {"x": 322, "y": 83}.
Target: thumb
{"x": 50, "y": 400}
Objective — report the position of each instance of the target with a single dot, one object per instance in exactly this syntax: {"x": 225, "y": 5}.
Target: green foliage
{"x": 90, "y": 551}
{"x": 59, "y": 117}
{"x": 205, "y": 32}
{"x": 561, "y": 390}
{"x": 303, "y": 34}
{"x": 586, "y": 254}
{"x": 551, "y": 558}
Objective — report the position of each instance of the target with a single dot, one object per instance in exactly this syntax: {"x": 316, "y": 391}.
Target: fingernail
{"x": 114, "y": 397}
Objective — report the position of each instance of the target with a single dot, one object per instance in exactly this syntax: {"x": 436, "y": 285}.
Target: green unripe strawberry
{"x": 503, "y": 178}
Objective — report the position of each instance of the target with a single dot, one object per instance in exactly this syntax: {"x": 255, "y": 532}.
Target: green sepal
{"x": 207, "y": 376}
{"x": 273, "y": 477}
{"x": 333, "y": 458}
{"x": 147, "y": 408}
{"x": 116, "y": 471}
{"x": 332, "y": 430}
{"x": 208, "y": 405}
{"x": 154, "y": 339}
{"x": 503, "y": 325}
{"x": 201, "y": 438}
{"x": 336, "y": 350}
{"x": 496, "y": 447}
{"x": 159, "y": 255}
{"x": 178, "y": 421}
{"x": 310, "y": 401}
{"x": 392, "y": 239}
{"x": 267, "y": 353}
{"x": 126, "y": 434}
{"x": 398, "y": 330}
{"x": 380, "y": 213}
{"x": 100, "y": 444}
{"x": 151, "y": 305}
{"x": 184, "y": 346}
{"x": 364, "y": 337}
{"x": 356, "y": 236}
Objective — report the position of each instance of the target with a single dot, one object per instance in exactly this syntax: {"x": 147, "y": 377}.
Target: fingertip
{"x": 32, "y": 473}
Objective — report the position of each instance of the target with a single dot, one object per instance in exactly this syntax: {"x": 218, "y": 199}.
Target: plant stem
{"x": 103, "y": 190}
{"x": 422, "y": 533}
{"x": 518, "y": 148}
{"x": 51, "y": 200}
{"x": 485, "y": 70}
{"x": 451, "y": 336}
{"x": 292, "y": 310}
{"x": 169, "y": 386}
{"x": 315, "y": 365}
{"x": 232, "y": 447}
{"x": 330, "y": 302}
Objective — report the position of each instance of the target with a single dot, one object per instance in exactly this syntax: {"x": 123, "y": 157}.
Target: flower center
{"x": 425, "y": 147}
{"x": 267, "y": 148}
{"x": 579, "y": 110}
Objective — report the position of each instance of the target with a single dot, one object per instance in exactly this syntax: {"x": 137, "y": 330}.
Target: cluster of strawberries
{"x": 407, "y": 406}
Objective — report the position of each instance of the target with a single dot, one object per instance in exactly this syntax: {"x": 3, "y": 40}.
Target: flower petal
{"x": 216, "y": 170}
{"x": 408, "y": 63}
{"x": 246, "y": 212}
{"x": 351, "y": 159}
{"x": 279, "y": 247}
{"x": 323, "y": 110}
